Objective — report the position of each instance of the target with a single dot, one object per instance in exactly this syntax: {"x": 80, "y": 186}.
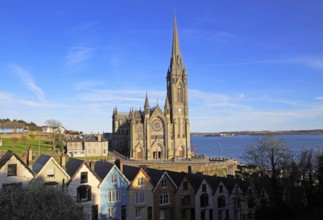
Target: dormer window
{"x": 84, "y": 178}
{"x": 203, "y": 187}
{"x": 113, "y": 178}
{"x": 164, "y": 183}
{"x": 220, "y": 189}
{"x": 51, "y": 173}
{"x": 140, "y": 181}
{"x": 12, "y": 170}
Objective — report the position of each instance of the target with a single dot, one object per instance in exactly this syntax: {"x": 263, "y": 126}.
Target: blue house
{"x": 114, "y": 191}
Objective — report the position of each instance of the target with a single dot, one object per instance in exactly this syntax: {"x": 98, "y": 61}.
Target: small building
{"x": 12, "y": 127}
{"x": 87, "y": 146}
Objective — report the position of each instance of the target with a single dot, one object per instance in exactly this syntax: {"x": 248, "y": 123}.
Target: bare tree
{"x": 23, "y": 139}
{"x": 54, "y": 126}
{"x": 14, "y": 141}
{"x": 272, "y": 156}
{"x": 37, "y": 202}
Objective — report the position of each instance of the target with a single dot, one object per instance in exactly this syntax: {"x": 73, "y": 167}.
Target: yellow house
{"x": 49, "y": 171}
{"x": 13, "y": 170}
{"x": 140, "y": 193}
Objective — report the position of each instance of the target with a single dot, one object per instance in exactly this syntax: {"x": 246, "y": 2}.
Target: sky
{"x": 251, "y": 64}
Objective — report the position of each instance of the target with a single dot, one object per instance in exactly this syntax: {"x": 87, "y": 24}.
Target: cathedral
{"x": 154, "y": 134}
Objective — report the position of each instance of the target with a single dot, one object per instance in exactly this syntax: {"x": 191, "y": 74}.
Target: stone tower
{"x": 177, "y": 96}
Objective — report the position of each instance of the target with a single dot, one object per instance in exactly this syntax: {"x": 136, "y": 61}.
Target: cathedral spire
{"x": 176, "y": 53}
{"x": 146, "y": 102}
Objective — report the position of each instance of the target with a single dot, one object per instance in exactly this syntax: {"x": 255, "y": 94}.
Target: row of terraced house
{"x": 115, "y": 191}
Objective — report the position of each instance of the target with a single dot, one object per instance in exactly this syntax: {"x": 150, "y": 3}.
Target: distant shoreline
{"x": 240, "y": 133}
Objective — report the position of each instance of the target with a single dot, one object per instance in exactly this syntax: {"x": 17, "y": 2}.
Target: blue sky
{"x": 252, "y": 64}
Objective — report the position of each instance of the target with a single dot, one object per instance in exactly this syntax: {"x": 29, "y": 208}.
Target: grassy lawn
{"x": 44, "y": 146}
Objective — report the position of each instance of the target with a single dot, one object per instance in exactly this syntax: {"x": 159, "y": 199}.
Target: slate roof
{"x": 195, "y": 180}
{"x": 40, "y": 162}
{"x": 73, "y": 165}
{"x": 154, "y": 175}
{"x": 213, "y": 181}
{"x": 87, "y": 138}
{"x": 130, "y": 172}
{"x": 177, "y": 177}
{"x": 102, "y": 168}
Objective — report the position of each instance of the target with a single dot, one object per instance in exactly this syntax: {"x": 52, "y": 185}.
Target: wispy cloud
{"x": 28, "y": 81}
{"x": 216, "y": 100}
{"x": 77, "y": 55}
{"x": 88, "y": 85}
{"x": 319, "y": 98}
{"x": 312, "y": 62}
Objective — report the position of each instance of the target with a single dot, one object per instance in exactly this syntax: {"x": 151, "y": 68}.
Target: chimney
{"x": 29, "y": 156}
{"x": 189, "y": 169}
{"x": 62, "y": 160}
{"x": 119, "y": 164}
{"x": 99, "y": 137}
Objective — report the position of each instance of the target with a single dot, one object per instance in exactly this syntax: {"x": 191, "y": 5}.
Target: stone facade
{"x": 153, "y": 133}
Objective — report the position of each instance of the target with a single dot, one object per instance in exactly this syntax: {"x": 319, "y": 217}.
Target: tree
{"x": 37, "y": 202}
{"x": 14, "y": 141}
{"x": 24, "y": 139}
{"x": 272, "y": 156}
{"x": 54, "y": 126}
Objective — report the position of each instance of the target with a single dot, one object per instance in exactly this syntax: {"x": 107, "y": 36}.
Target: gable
{"x": 147, "y": 185}
{"x": 168, "y": 180}
{"x": 22, "y": 169}
{"x": 92, "y": 179}
{"x": 60, "y": 174}
{"x": 114, "y": 177}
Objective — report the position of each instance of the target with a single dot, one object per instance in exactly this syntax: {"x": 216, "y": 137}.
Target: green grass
{"x": 43, "y": 146}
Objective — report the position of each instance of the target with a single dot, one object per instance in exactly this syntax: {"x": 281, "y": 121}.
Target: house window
{"x": 113, "y": 178}
{"x": 164, "y": 199}
{"x": 220, "y": 189}
{"x": 203, "y": 187}
{"x": 185, "y": 200}
{"x": 140, "y": 197}
{"x": 164, "y": 183}
{"x": 113, "y": 196}
{"x": 84, "y": 177}
{"x": 51, "y": 173}
{"x": 110, "y": 212}
{"x": 12, "y": 170}
{"x": 140, "y": 181}
{"x": 162, "y": 214}
{"x": 185, "y": 185}
{"x": 84, "y": 193}
{"x": 221, "y": 202}
{"x": 204, "y": 200}
{"x": 138, "y": 212}
{"x": 104, "y": 152}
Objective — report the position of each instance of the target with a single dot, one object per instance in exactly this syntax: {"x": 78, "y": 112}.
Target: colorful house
{"x": 113, "y": 191}
{"x": 84, "y": 187}
{"x": 140, "y": 193}
{"x": 14, "y": 171}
